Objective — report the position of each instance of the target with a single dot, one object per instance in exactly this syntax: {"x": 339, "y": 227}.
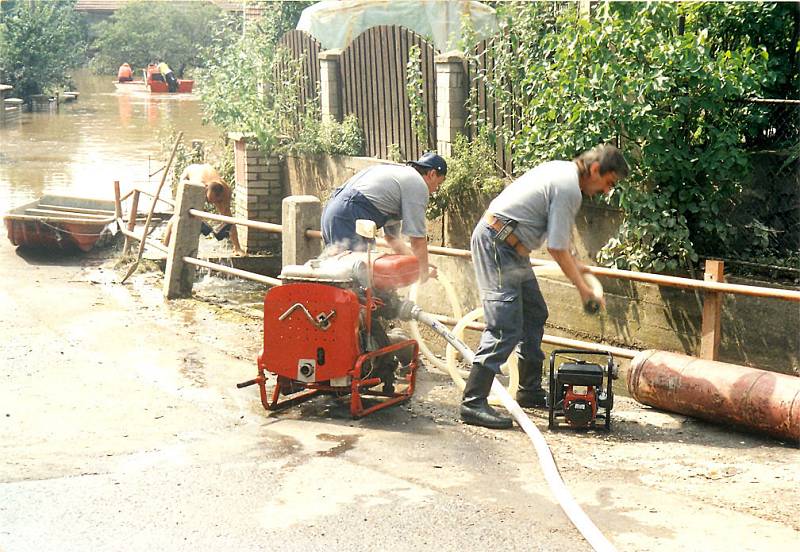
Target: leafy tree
{"x": 40, "y": 41}
{"x": 142, "y": 32}
{"x": 244, "y": 91}
{"x": 737, "y": 25}
{"x": 627, "y": 74}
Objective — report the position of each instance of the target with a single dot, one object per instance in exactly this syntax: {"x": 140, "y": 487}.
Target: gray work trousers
{"x": 513, "y": 306}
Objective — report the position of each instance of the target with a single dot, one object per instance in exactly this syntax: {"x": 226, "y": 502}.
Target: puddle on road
{"x": 343, "y": 444}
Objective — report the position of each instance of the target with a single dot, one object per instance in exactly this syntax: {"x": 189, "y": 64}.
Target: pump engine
{"x": 580, "y": 392}
{"x": 325, "y": 332}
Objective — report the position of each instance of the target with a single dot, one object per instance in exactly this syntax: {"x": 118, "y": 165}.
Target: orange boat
{"x": 61, "y": 223}
{"x": 157, "y": 84}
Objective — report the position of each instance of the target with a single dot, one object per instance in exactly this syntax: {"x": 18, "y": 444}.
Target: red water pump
{"x": 325, "y": 332}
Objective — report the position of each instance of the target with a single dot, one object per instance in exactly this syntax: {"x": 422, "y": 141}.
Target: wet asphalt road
{"x": 121, "y": 429}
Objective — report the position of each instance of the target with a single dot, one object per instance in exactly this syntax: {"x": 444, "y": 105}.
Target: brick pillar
{"x": 451, "y": 100}
{"x": 330, "y": 92}
{"x": 258, "y": 193}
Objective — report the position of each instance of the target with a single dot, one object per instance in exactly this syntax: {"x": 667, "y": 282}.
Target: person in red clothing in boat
{"x": 125, "y": 73}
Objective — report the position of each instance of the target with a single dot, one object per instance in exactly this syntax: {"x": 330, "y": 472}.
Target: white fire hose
{"x": 574, "y": 512}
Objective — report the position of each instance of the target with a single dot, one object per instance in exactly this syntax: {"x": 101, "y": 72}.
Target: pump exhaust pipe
{"x": 752, "y": 399}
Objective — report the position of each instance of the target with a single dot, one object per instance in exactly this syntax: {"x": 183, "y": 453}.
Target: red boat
{"x": 60, "y": 223}
{"x": 157, "y": 84}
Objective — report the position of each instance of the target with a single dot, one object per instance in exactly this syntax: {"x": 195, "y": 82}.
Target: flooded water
{"x": 84, "y": 146}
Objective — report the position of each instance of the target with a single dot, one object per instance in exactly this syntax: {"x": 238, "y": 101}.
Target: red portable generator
{"x": 580, "y": 392}
{"x": 325, "y": 333}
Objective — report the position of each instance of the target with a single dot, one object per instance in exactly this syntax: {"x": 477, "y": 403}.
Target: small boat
{"x": 157, "y": 84}
{"x": 61, "y": 222}
{"x": 131, "y": 86}
{"x": 160, "y": 87}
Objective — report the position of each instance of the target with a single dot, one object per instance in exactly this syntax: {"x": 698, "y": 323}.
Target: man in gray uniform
{"x": 539, "y": 205}
{"x": 394, "y": 197}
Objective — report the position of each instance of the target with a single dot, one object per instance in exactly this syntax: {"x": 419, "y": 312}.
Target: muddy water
{"x": 86, "y": 145}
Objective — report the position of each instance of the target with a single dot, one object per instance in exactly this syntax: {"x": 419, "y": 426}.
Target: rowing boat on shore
{"x": 60, "y": 222}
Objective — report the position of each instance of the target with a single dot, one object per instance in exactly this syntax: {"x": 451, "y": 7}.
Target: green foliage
{"x": 142, "y": 32}
{"x": 40, "y": 41}
{"x": 627, "y": 74}
{"x": 241, "y": 91}
{"x": 415, "y": 90}
{"x": 470, "y": 175}
{"x": 737, "y": 25}
{"x": 328, "y": 137}
{"x": 185, "y": 155}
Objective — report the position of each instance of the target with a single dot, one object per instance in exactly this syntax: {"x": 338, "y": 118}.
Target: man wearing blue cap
{"x": 395, "y": 197}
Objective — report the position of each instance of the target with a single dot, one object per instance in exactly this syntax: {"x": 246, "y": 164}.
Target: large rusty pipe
{"x": 753, "y": 399}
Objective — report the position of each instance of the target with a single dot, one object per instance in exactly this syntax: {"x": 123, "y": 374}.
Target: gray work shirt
{"x": 400, "y": 193}
{"x": 544, "y": 201}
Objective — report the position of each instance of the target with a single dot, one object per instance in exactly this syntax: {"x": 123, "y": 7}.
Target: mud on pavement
{"x": 121, "y": 429}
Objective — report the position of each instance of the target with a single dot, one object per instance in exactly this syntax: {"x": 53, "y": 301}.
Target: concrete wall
{"x": 758, "y": 332}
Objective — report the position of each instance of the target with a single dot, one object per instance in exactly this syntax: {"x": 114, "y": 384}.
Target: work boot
{"x": 530, "y": 393}
{"x": 475, "y": 409}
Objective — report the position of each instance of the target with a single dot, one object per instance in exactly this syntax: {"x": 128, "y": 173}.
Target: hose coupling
{"x": 408, "y": 310}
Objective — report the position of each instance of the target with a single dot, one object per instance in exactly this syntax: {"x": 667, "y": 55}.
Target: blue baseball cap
{"x": 431, "y": 160}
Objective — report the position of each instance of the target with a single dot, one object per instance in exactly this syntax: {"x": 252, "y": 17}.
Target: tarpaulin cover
{"x": 336, "y": 23}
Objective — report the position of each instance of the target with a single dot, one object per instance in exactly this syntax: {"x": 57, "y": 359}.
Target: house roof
{"x": 110, "y": 6}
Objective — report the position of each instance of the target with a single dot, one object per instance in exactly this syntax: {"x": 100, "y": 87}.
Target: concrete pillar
{"x": 258, "y": 193}
{"x": 300, "y": 213}
{"x": 330, "y": 93}
{"x": 179, "y": 276}
{"x": 451, "y": 100}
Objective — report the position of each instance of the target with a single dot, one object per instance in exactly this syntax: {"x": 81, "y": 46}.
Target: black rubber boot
{"x": 530, "y": 393}
{"x": 475, "y": 409}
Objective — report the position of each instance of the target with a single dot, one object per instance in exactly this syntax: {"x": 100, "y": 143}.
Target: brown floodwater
{"x": 84, "y": 146}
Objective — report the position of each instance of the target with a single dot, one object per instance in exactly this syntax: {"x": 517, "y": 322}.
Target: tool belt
{"x": 505, "y": 232}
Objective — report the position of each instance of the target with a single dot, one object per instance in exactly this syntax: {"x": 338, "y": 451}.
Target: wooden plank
{"x": 76, "y": 209}
{"x": 712, "y": 312}
{"x": 399, "y": 96}
{"x": 379, "y": 100}
{"x": 363, "y": 94}
{"x": 395, "y": 84}
{"x": 369, "y": 93}
{"x": 406, "y": 146}
{"x": 429, "y": 88}
{"x": 413, "y": 40}
{"x": 58, "y": 212}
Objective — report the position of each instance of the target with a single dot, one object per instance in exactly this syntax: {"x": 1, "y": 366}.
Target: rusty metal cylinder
{"x": 752, "y": 399}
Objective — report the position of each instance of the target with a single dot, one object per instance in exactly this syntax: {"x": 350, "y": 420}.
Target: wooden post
{"x": 712, "y": 312}
{"x": 117, "y": 201}
{"x": 131, "y": 222}
{"x": 179, "y": 276}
